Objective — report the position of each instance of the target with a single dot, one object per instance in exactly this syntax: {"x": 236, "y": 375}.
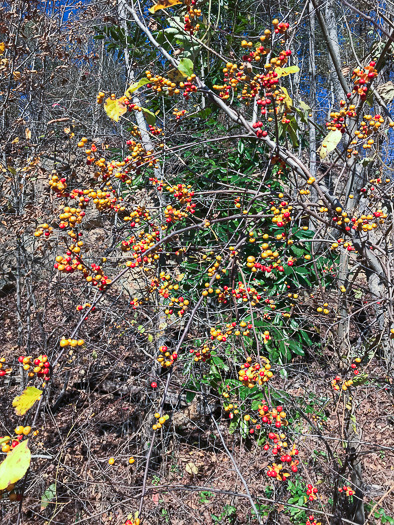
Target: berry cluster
{"x": 94, "y": 274}
{"x": 202, "y": 354}
{"x": 160, "y": 84}
{"x": 311, "y": 492}
{"x": 335, "y": 383}
{"x": 235, "y": 75}
{"x": 9, "y": 444}
{"x": 155, "y": 131}
{"x": 135, "y": 521}
{"x": 311, "y": 521}
{"x": 191, "y": 14}
{"x": 43, "y": 229}
{"x": 166, "y": 359}
{"x": 362, "y": 78}
{"x": 3, "y": 371}
{"x": 282, "y": 214}
{"x": 288, "y": 464}
{"x": 179, "y": 113}
{"x": 346, "y": 490}
{"x": 160, "y": 421}
{"x": 111, "y": 461}
{"x": 338, "y": 118}
{"x": 182, "y": 193}
{"x": 39, "y": 367}
{"x": 369, "y": 126}
{"x": 252, "y": 374}
{"x": 71, "y": 342}
{"x": 59, "y": 185}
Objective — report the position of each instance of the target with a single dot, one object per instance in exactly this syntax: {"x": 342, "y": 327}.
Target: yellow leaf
{"x": 15, "y": 141}
{"x": 136, "y": 86}
{"x": 164, "y": 4}
{"x": 175, "y": 75}
{"x": 283, "y": 72}
{"x": 28, "y": 133}
{"x": 180, "y": 277}
{"x": 15, "y": 465}
{"x": 2, "y": 48}
{"x": 287, "y": 100}
{"x": 330, "y": 142}
{"x": 26, "y": 400}
{"x": 115, "y": 108}
{"x": 17, "y": 75}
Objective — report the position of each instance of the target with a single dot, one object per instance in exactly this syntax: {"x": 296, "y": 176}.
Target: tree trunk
{"x": 331, "y": 24}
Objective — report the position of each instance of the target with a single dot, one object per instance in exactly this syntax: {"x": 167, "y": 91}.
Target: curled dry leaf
{"x": 164, "y": 4}
{"x": 191, "y": 468}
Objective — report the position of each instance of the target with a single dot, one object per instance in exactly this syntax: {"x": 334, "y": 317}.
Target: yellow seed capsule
{"x": 111, "y": 461}
{"x": 131, "y": 461}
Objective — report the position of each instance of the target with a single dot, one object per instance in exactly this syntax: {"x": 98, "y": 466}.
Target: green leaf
{"x": 304, "y": 106}
{"x": 295, "y": 347}
{"x": 305, "y": 337}
{"x": 369, "y": 99}
{"x": 150, "y": 117}
{"x": 15, "y": 465}
{"x": 361, "y": 379}
{"x": 300, "y": 270}
{"x": 142, "y": 82}
{"x": 255, "y": 404}
{"x": 293, "y": 134}
{"x": 233, "y": 425}
{"x": 48, "y": 496}
{"x": 220, "y": 363}
{"x": 303, "y": 111}
{"x": 186, "y": 67}
{"x": 26, "y": 400}
{"x": 330, "y": 142}
{"x": 190, "y": 396}
{"x": 244, "y": 428}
